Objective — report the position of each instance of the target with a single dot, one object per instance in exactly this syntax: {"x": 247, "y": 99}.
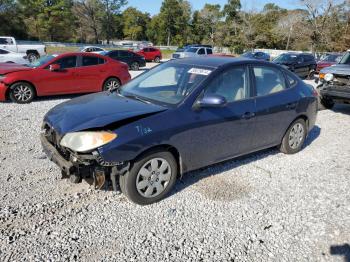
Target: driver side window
{"x": 232, "y": 84}
{"x": 67, "y": 62}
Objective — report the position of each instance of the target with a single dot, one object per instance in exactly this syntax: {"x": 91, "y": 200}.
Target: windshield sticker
{"x": 199, "y": 71}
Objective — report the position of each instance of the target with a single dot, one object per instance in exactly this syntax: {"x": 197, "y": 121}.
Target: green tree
{"x": 135, "y": 24}
{"x": 210, "y": 19}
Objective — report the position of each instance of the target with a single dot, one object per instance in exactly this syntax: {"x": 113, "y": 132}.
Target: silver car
{"x": 192, "y": 52}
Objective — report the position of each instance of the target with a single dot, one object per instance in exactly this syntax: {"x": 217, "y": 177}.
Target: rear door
{"x": 276, "y": 105}
{"x": 92, "y": 72}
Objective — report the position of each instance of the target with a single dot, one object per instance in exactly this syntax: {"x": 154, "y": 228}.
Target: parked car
{"x": 193, "y": 51}
{"x": 179, "y": 116}
{"x": 328, "y": 60}
{"x": 7, "y": 56}
{"x": 257, "y": 55}
{"x": 335, "y": 83}
{"x": 32, "y": 50}
{"x": 151, "y": 54}
{"x": 92, "y": 49}
{"x": 68, "y": 73}
{"x": 133, "y": 60}
{"x": 302, "y": 64}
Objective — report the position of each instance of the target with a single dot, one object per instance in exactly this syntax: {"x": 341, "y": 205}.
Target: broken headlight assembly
{"x": 86, "y": 141}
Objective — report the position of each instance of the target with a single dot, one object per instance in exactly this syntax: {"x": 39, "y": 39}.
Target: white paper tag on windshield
{"x": 199, "y": 71}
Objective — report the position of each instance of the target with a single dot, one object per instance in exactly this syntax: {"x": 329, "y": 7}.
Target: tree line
{"x": 321, "y": 25}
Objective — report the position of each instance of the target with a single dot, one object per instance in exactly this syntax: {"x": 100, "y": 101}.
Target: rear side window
{"x": 67, "y": 62}
{"x": 90, "y": 61}
{"x": 231, "y": 84}
{"x": 209, "y": 51}
{"x": 268, "y": 80}
{"x": 201, "y": 51}
{"x": 124, "y": 53}
{"x": 6, "y": 41}
{"x": 291, "y": 79}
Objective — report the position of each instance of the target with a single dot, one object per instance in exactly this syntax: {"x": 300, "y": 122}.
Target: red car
{"x": 328, "y": 60}
{"x": 151, "y": 54}
{"x": 68, "y": 73}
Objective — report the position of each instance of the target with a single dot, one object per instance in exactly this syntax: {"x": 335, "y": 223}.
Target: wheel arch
{"x": 166, "y": 147}
{"x": 7, "y": 93}
{"x": 301, "y": 116}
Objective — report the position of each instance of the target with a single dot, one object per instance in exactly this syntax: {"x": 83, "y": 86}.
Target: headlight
{"x": 86, "y": 141}
{"x": 328, "y": 77}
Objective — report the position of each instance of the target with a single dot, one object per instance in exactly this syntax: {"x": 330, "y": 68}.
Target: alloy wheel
{"x": 153, "y": 177}
{"x": 22, "y": 93}
{"x": 112, "y": 84}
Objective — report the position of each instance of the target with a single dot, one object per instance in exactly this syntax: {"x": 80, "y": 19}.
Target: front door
{"x": 224, "y": 132}
{"x": 63, "y": 81}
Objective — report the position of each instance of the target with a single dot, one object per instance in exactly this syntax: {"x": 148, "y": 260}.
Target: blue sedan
{"x": 180, "y": 116}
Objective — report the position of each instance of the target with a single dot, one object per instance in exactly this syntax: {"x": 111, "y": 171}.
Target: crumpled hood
{"x": 338, "y": 69}
{"x": 6, "y": 68}
{"x": 96, "y": 111}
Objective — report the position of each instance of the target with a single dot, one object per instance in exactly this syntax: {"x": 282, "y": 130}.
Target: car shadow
{"x": 194, "y": 177}
{"x": 342, "y": 108}
{"x": 343, "y": 251}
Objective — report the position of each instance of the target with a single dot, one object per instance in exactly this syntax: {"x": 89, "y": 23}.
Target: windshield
{"x": 191, "y": 50}
{"x": 332, "y": 58}
{"x": 167, "y": 84}
{"x": 286, "y": 58}
{"x": 345, "y": 59}
{"x": 41, "y": 61}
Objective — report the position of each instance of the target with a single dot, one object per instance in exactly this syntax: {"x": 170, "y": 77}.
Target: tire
{"x": 154, "y": 183}
{"x": 157, "y": 59}
{"x": 327, "y": 103}
{"x": 22, "y": 93}
{"x": 311, "y": 74}
{"x": 32, "y": 57}
{"x": 135, "y": 66}
{"x": 294, "y": 138}
{"x": 111, "y": 84}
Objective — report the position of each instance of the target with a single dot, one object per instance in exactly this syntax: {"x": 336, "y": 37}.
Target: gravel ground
{"x": 264, "y": 207}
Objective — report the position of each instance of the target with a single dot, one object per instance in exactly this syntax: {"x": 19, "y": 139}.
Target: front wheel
{"x": 294, "y": 138}
{"x": 111, "y": 84}
{"x": 22, "y": 93}
{"x": 150, "y": 179}
{"x": 135, "y": 66}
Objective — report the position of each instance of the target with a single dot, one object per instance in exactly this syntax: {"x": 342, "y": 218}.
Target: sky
{"x": 153, "y": 6}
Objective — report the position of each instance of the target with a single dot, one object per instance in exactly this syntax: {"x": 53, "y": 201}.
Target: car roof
{"x": 215, "y": 61}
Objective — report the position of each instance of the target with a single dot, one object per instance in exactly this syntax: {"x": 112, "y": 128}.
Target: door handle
{"x": 291, "y": 106}
{"x": 248, "y": 115}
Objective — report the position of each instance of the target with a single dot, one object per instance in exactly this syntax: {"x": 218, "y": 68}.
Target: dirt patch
{"x": 222, "y": 188}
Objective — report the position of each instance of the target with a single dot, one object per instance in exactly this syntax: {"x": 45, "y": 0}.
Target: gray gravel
{"x": 264, "y": 207}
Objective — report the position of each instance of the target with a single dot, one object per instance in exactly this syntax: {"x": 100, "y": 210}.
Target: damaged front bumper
{"x": 87, "y": 166}
{"x": 335, "y": 92}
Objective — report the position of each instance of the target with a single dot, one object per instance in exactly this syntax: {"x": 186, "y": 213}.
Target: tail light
{"x": 314, "y": 92}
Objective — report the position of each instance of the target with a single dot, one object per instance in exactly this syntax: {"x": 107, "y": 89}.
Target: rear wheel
{"x": 32, "y": 57}
{"x": 111, "y": 84}
{"x": 294, "y": 138}
{"x": 22, "y": 93}
{"x": 157, "y": 59}
{"x": 135, "y": 66}
{"x": 328, "y": 103}
{"x": 151, "y": 178}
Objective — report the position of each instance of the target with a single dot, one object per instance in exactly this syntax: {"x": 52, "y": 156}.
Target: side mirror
{"x": 55, "y": 67}
{"x": 212, "y": 100}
